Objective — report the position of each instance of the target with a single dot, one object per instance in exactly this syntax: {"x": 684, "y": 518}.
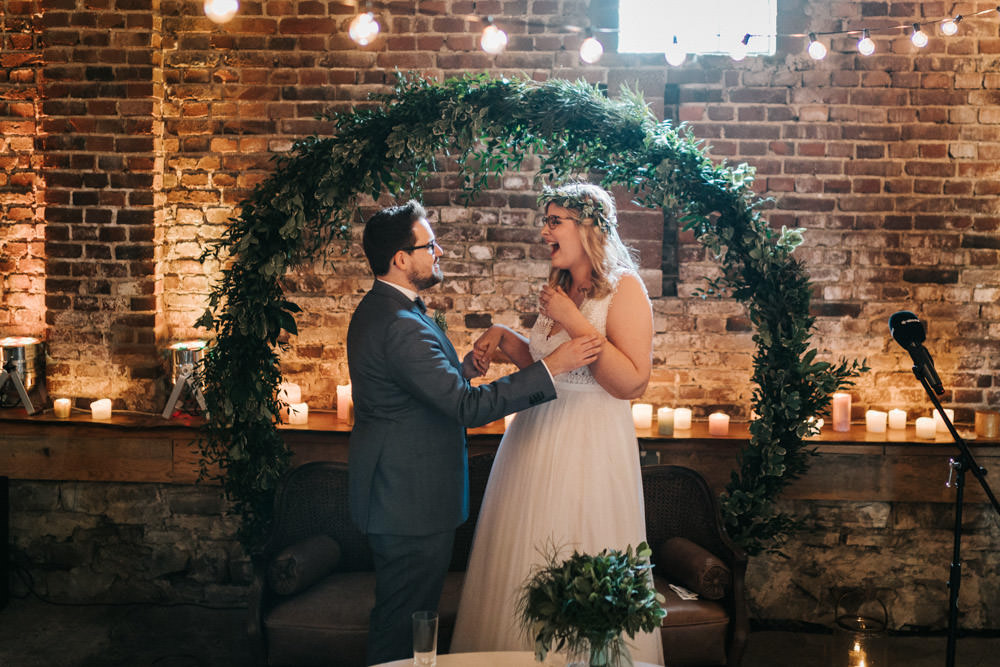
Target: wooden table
{"x": 490, "y": 659}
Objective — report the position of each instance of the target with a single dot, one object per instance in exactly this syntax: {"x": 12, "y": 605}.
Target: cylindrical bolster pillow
{"x": 302, "y": 564}
{"x": 693, "y": 567}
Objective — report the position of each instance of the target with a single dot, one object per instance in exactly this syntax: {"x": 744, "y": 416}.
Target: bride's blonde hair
{"x": 598, "y": 225}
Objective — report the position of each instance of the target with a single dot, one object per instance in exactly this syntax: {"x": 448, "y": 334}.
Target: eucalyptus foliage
{"x": 487, "y": 126}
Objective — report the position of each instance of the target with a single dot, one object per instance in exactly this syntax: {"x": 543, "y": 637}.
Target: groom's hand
{"x": 470, "y": 368}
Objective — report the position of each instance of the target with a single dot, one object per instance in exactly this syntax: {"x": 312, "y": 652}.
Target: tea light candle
{"x": 642, "y": 415}
{"x": 682, "y": 419}
{"x": 101, "y": 409}
{"x": 665, "y": 421}
{"x": 298, "y": 413}
{"x": 841, "y": 411}
{"x": 925, "y": 428}
{"x": 875, "y": 421}
{"x": 345, "y": 403}
{"x": 897, "y": 419}
{"x": 62, "y": 407}
{"x": 987, "y": 424}
{"x": 289, "y": 393}
{"x": 718, "y": 423}
{"x": 939, "y": 424}
{"x": 507, "y": 420}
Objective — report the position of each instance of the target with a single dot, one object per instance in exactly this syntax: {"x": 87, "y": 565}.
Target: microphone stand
{"x": 958, "y": 467}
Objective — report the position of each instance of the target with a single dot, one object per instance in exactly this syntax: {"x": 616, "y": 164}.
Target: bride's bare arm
{"x": 508, "y": 342}
{"x": 625, "y": 363}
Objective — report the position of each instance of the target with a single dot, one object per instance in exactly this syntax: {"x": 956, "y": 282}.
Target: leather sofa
{"x": 313, "y": 584}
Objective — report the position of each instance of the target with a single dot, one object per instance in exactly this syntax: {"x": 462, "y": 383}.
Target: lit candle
{"x": 101, "y": 409}
{"x": 875, "y": 421}
{"x": 718, "y": 423}
{"x": 507, "y": 420}
{"x": 897, "y": 419}
{"x": 642, "y": 415}
{"x": 298, "y": 413}
{"x": 289, "y": 392}
{"x": 61, "y": 407}
{"x": 665, "y": 421}
{"x": 987, "y": 424}
{"x": 345, "y": 403}
{"x": 925, "y": 428}
{"x": 682, "y": 419}
{"x": 939, "y": 424}
{"x": 841, "y": 411}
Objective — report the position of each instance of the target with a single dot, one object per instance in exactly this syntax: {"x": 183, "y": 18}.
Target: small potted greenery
{"x": 587, "y": 603}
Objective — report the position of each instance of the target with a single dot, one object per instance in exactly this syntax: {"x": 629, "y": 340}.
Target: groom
{"x": 408, "y": 474}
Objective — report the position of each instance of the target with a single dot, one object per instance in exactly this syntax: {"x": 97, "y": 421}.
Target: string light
{"x": 739, "y": 52}
{"x": 221, "y": 11}
{"x": 591, "y": 50}
{"x": 817, "y": 51}
{"x": 493, "y": 39}
{"x": 950, "y": 26}
{"x": 364, "y": 28}
{"x": 674, "y": 54}
{"x": 919, "y": 37}
{"x": 866, "y": 46}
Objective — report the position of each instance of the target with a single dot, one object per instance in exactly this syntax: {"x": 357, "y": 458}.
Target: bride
{"x": 566, "y": 474}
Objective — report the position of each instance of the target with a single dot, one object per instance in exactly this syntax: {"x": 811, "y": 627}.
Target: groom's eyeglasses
{"x": 430, "y": 245}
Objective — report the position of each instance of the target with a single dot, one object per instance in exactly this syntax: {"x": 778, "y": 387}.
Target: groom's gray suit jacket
{"x": 408, "y": 473}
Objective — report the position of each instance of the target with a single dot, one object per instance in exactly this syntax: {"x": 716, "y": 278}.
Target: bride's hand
{"x": 574, "y": 353}
{"x": 484, "y": 347}
{"x": 555, "y": 304}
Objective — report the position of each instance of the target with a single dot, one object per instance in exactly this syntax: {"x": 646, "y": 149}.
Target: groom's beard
{"x": 423, "y": 282}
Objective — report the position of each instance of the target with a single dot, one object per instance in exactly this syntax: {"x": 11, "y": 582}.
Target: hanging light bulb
{"x": 866, "y": 46}
{"x": 739, "y": 52}
{"x": 493, "y": 40}
{"x": 363, "y": 29}
{"x": 950, "y": 26}
{"x": 919, "y": 37}
{"x": 221, "y": 11}
{"x": 591, "y": 50}
{"x": 674, "y": 54}
{"x": 817, "y": 51}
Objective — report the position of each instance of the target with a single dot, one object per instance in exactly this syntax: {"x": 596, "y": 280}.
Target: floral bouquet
{"x": 586, "y": 603}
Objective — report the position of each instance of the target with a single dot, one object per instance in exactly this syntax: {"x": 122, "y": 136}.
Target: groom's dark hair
{"x": 389, "y": 231}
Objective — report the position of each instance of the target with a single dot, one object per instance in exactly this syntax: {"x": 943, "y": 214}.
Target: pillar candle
{"x": 682, "y": 419}
{"x": 718, "y": 423}
{"x": 925, "y": 428}
{"x": 841, "y": 411}
{"x": 939, "y": 424}
{"x": 298, "y": 413}
{"x": 101, "y": 409}
{"x": 289, "y": 393}
{"x": 875, "y": 421}
{"x": 987, "y": 424}
{"x": 62, "y": 407}
{"x": 897, "y": 419}
{"x": 642, "y": 415}
{"x": 345, "y": 403}
{"x": 665, "y": 421}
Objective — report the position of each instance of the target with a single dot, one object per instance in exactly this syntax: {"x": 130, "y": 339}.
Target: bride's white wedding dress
{"x": 567, "y": 475}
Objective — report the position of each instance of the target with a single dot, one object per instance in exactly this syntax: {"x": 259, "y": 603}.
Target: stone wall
{"x": 132, "y": 129}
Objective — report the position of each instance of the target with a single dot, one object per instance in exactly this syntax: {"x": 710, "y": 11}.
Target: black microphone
{"x": 909, "y": 332}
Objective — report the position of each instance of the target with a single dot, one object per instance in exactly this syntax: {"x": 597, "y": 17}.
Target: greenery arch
{"x": 489, "y": 125}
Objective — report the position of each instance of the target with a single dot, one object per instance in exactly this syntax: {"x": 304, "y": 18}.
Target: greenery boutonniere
{"x": 440, "y": 320}
{"x": 586, "y": 604}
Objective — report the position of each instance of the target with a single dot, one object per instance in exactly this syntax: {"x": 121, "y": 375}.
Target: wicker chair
{"x": 311, "y": 595}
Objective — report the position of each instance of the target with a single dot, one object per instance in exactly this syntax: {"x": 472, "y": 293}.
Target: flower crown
{"x": 581, "y": 201}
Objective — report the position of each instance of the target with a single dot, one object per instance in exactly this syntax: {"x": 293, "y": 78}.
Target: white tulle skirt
{"x": 566, "y": 476}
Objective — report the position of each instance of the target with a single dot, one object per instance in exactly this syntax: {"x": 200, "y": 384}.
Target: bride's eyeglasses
{"x": 553, "y": 221}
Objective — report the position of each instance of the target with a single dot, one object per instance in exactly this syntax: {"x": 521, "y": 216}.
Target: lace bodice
{"x": 541, "y": 344}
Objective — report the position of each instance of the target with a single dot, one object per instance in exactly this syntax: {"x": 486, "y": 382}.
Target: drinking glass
{"x": 425, "y": 634}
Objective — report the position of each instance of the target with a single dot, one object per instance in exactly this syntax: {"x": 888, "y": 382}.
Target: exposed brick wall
{"x": 154, "y": 123}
